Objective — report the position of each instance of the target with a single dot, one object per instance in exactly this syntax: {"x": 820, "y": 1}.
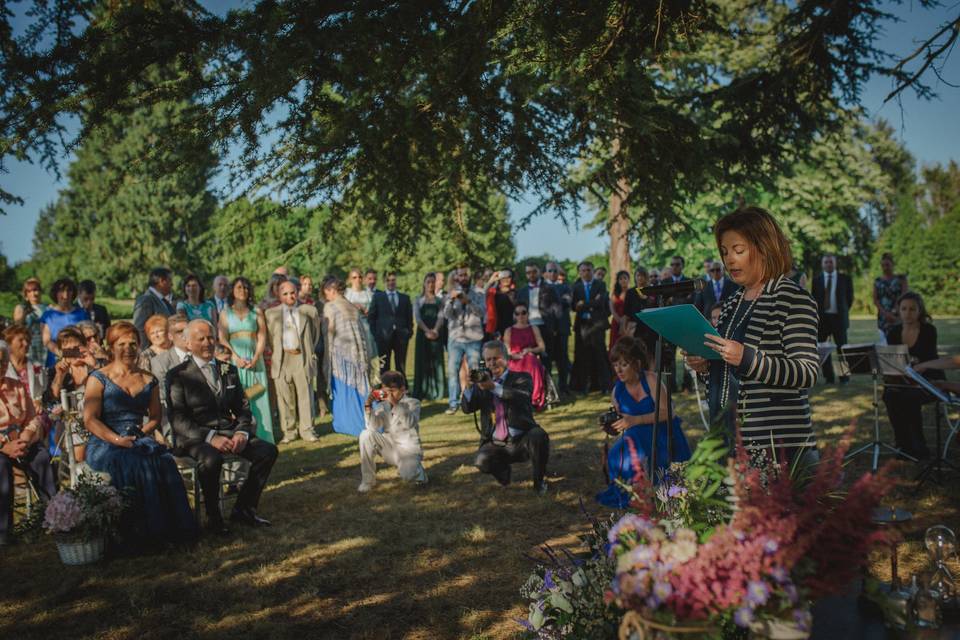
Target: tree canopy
{"x": 398, "y": 108}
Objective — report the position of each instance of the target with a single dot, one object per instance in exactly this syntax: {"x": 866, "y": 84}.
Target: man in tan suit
{"x": 294, "y": 333}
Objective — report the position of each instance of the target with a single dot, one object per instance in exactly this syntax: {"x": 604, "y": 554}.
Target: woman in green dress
{"x": 194, "y": 306}
{"x": 244, "y": 330}
{"x": 430, "y": 377}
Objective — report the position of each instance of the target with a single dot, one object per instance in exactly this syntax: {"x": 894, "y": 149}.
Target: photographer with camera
{"x": 632, "y": 418}
{"x": 463, "y": 315}
{"x": 508, "y": 432}
{"x": 393, "y": 431}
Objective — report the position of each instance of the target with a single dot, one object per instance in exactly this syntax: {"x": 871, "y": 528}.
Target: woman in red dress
{"x": 616, "y": 306}
{"x": 524, "y": 343}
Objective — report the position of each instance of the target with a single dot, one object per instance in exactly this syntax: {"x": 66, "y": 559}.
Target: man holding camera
{"x": 393, "y": 431}
{"x": 463, "y": 311}
{"x": 508, "y": 432}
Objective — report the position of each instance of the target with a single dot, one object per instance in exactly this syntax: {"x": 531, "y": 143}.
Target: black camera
{"x": 606, "y": 420}
{"x": 481, "y": 373}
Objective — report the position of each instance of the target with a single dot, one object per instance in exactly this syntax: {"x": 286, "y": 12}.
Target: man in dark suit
{"x": 833, "y": 292}
{"x": 542, "y": 304}
{"x": 156, "y": 300}
{"x": 557, "y": 322}
{"x": 391, "y": 321}
{"x": 715, "y": 289}
{"x": 210, "y": 416}
{"x": 591, "y": 371}
{"x": 98, "y": 314}
{"x": 508, "y": 432}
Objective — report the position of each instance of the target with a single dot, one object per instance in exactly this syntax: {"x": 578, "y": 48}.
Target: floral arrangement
{"x": 567, "y": 594}
{"x": 792, "y": 537}
{"x": 89, "y": 510}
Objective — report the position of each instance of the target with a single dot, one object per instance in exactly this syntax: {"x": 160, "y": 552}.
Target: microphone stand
{"x": 659, "y": 364}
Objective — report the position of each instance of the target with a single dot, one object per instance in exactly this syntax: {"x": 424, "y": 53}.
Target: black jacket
{"x": 595, "y": 314}
{"x": 551, "y": 308}
{"x": 385, "y": 322}
{"x": 844, "y": 288}
{"x": 517, "y": 394}
{"x": 195, "y": 409}
{"x": 707, "y": 297}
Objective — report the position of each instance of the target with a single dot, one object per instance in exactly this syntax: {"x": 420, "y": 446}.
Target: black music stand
{"x": 659, "y": 364}
{"x": 934, "y": 468}
{"x": 876, "y": 360}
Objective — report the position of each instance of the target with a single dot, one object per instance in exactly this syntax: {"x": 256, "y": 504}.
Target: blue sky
{"x": 929, "y": 128}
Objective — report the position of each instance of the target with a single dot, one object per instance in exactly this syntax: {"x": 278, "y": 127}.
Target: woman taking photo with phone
{"x": 767, "y": 344}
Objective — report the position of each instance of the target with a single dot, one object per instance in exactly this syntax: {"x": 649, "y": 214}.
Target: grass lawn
{"x": 443, "y": 561}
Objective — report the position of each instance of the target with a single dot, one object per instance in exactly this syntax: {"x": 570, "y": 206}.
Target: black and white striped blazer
{"x": 780, "y": 363}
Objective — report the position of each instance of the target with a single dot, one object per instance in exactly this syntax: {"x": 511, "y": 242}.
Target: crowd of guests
{"x": 225, "y": 376}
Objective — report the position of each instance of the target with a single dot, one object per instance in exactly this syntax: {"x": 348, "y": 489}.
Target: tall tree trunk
{"x": 618, "y": 225}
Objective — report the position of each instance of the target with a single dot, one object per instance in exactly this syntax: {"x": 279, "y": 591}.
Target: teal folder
{"x": 684, "y": 326}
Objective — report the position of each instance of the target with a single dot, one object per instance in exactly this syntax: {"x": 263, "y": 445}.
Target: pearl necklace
{"x": 725, "y": 386}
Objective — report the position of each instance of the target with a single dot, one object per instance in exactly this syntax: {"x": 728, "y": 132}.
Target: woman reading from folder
{"x": 767, "y": 342}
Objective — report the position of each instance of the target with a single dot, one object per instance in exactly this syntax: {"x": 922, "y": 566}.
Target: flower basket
{"x": 636, "y": 627}
{"x": 83, "y": 552}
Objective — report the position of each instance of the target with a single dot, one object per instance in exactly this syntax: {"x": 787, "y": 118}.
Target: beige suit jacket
{"x": 309, "y": 321}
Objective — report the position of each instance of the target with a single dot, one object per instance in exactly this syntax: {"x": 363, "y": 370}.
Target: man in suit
{"x": 675, "y": 275}
{"x": 158, "y": 299}
{"x": 715, "y": 289}
{"x": 833, "y": 292}
{"x": 542, "y": 304}
{"x": 210, "y": 416}
{"x": 162, "y": 363}
{"x": 98, "y": 314}
{"x": 391, "y": 321}
{"x": 294, "y": 332}
{"x": 557, "y": 322}
{"x": 508, "y": 432}
{"x": 591, "y": 371}
{"x": 221, "y": 289}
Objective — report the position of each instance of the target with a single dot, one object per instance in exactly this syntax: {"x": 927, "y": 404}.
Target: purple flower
{"x": 770, "y": 546}
{"x": 662, "y": 590}
{"x": 791, "y": 592}
{"x": 803, "y": 618}
{"x": 652, "y": 602}
{"x": 743, "y": 617}
{"x": 780, "y": 575}
{"x": 676, "y": 490}
{"x": 548, "y": 582}
{"x": 739, "y": 535}
{"x": 757, "y": 593}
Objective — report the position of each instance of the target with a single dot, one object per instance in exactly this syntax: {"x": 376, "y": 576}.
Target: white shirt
{"x": 291, "y": 329}
{"x": 533, "y": 308}
{"x": 181, "y": 354}
{"x": 831, "y": 291}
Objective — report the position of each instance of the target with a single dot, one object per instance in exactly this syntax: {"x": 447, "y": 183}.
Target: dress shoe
{"x": 217, "y": 527}
{"x": 364, "y": 488}
{"x": 451, "y": 411}
{"x": 310, "y": 438}
{"x": 287, "y": 440}
{"x": 248, "y": 517}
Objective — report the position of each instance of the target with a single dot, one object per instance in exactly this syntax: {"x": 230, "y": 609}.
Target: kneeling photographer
{"x": 508, "y": 432}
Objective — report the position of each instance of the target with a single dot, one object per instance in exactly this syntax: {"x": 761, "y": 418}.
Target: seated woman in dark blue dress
{"x": 117, "y": 399}
{"x": 634, "y": 402}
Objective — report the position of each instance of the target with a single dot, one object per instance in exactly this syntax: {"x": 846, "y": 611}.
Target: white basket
{"x": 86, "y": 552}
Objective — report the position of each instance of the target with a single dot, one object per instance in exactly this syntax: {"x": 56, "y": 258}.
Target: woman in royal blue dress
{"x": 62, "y": 313}
{"x": 117, "y": 399}
{"x": 633, "y": 400}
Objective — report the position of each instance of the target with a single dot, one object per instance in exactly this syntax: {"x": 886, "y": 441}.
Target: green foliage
{"x": 8, "y": 276}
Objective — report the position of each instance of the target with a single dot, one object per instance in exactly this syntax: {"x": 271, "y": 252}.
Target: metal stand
{"x": 877, "y": 444}
{"x": 658, "y": 363}
{"x": 934, "y": 469}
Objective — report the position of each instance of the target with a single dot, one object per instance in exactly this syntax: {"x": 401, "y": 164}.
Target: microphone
{"x": 682, "y": 288}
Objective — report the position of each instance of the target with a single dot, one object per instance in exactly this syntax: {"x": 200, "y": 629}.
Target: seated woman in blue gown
{"x": 117, "y": 399}
{"x": 633, "y": 400}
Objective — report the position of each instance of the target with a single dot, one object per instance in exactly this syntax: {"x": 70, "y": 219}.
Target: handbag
{"x": 254, "y": 391}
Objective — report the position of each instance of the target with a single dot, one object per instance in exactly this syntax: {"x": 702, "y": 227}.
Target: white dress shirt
{"x": 533, "y": 308}
{"x": 291, "y": 329}
{"x": 830, "y": 286}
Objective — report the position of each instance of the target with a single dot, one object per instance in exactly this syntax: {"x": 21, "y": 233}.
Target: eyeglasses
{"x": 716, "y": 269}
{"x": 676, "y": 264}
{"x": 519, "y": 313}
{"x": 551, "y": 270}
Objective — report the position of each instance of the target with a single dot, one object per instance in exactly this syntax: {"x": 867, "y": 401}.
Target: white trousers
{"x": 406, "y": 459}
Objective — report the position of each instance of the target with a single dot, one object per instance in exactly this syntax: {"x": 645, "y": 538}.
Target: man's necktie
{"x": 829, "y": 289}
{"x": 393, "y": 300}
{"x": 210, "y": 373}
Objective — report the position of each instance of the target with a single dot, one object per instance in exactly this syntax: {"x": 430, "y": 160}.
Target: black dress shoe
{"x": 249, "y": 518}
{"x": 217, "y": 527}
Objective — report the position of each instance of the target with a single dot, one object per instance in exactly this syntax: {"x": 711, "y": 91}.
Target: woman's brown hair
{"x": 763, "y": 233}
{"x": 632, "y": 350}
